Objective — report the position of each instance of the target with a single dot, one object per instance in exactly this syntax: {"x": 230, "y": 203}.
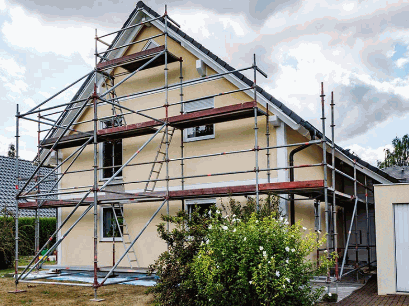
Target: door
{"x": 402, "y": 246}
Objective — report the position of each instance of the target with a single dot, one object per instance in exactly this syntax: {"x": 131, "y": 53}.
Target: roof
{"x": 288, "y": 112}
{"x": 401, "y": 173}
{"x": 8, "y": 185}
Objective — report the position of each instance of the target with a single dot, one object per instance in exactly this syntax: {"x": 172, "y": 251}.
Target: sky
{"x": 359, "y": 49}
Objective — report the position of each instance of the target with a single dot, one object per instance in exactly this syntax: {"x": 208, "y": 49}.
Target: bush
{"x": 258, "y": 262}
{"x": 248, "y": 257}
{"x": 26, "y": 237}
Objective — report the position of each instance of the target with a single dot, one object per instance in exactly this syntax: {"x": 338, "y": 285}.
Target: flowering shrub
{"x": 258, "y": 262}
{"x": 247, "y": 257}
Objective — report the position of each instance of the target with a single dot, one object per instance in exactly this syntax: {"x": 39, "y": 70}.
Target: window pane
{"x": 200, "y": 131}
{"x": 111, "y": 150}
{"x": 200, "y": 208}
{"x": 110, "y": 226}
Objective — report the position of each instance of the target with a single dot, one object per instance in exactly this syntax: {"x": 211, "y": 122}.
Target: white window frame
{"x": 185, "y": 131}
{"x": 150, "y": 41}
{"x": 198, "y": 202}
{"x": 101, "y": 158}
{"x": 101, "y": 225}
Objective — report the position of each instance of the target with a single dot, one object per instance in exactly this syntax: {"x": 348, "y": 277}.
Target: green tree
{"x": 399, "y": 155}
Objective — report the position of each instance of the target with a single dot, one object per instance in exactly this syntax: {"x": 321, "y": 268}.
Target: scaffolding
{"x": 89, "y": 196}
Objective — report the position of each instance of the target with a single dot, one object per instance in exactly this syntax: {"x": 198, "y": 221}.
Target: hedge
{"x": 26, "y": 235}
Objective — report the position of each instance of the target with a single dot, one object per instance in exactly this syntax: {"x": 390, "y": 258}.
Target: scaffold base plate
{"x": 97, "y": 300}
{"x": 17, "y": 291}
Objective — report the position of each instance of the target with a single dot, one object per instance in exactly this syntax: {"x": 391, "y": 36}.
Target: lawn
{"x": 38, "y": 294}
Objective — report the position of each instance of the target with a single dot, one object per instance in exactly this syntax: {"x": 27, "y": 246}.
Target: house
{"x": 165, "y": 124}
{"x": 8, "y": 186}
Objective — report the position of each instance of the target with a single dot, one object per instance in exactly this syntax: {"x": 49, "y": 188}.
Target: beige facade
{"x": 77, "y": 248}
{"x": 386, "y": 197}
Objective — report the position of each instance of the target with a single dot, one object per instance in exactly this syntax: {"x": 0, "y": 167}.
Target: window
{"x": 203, "y": 131}
{"x": 109, "y": 223}
{"x": 111, "y": 151}
{"x": 150, "y": 44}
{"x": 199, "y": 205}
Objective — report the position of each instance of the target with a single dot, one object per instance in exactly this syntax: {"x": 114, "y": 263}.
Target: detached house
{"x": 164, "y": 124}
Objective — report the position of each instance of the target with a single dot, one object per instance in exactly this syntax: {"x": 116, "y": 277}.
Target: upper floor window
{"x": 203, "y": 131}
{"x": 202, "y": 206}
{"x": 111, "y": 156}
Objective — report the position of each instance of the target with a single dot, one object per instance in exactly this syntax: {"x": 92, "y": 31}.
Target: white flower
{"x": 325, "y": 251}
{"x": 281, "y": 218}
{"x": 319, "y": 232}
{"x": 287, "y": 249}
{"x": 261, "y": 248}
{"x": 287, "y": 261}
{"x": 293, "y": 250}
{"x": 264, "y": 253}
{"x": 207, "y": 241}
{"x": 278, "y": 273}
{"x": 329, "y": 294}
{"x": 287, "y": 279}
{"x": 217, "y": 211}
{"x": 283, "y": 286}
{"x": 224, "y": 227}
{"x": 245, "y": 238}
{"x": 269, "y": 261}
{"x": 234, "y": 216}
{"x": 250, "y": 282}
{"x": 234, "y": 230}
{"x": 256, "y": 221}
{"x": 304, "y": 228}
{"x": 286, "y": 222}
{"x": 210, "y": 226}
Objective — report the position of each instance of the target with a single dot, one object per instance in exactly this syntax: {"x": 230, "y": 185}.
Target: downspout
{"x": 291, "y": 164}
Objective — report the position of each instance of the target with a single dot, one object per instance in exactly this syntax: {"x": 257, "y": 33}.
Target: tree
{"x": 12, "y": 151}
{"x": 399, "y": 155}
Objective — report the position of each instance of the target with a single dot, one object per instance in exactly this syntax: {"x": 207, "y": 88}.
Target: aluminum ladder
{"x": 124, "y": 233}
{"x": 159, "y": 161}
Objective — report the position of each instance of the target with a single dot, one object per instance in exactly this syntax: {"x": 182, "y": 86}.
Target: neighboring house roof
{"x": 401, "y": 173}
{"x": 279, "y": 105}
{"x": 8, "y": 185}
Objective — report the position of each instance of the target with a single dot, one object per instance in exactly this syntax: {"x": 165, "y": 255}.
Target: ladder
{"x": 114, "y": 99}
{"x": 159, "y": 161}
{"x": 124, "y": 233}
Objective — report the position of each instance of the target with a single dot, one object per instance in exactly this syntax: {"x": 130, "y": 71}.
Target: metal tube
{"x": 128, "y": 109}
{"x": 58, "y": 166}
{"x": 334, "y": 208}
{"x": 95, "y": 187}
{"x": 31, "y": 111}
{"x": 17, "y": 188}
{"x": 182, "y": 144}
{"x": 206, "y": 78}
{"x": 167, "y": 117}
{"x": 131, "y": 75}
{"x": 324, "y": 161}
{"x": 348, "y": 238}
{"x": 268, "y": 143}
{"x": 49, "y": 152}
{"x": 54, "y": 126}
{"x": 130, "y": 44}
{"x": 367, "y": 222}
{"x": 57, "y": 243}
{"x": 71, "y": 163}
{"x": 130, "y": 27}
{"x": 256, "y": 169}
{"x": 356, "y": 218}
{"x": 56, "y": 283}
{"x": 132, "y": 243}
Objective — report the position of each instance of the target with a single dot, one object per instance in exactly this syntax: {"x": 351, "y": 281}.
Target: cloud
{"x": 369, "y": 154}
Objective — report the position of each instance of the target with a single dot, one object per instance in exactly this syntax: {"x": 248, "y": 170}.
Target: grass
{"x": 38, "y": 294}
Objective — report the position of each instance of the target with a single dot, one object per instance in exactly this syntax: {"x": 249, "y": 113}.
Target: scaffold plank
{"x": 305, "y": 188}
{"x": 203, "y": 117}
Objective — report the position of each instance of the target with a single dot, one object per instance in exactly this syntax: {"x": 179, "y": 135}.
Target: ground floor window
{"x": 110, "y": 222}
{"x": 199, "y": 205}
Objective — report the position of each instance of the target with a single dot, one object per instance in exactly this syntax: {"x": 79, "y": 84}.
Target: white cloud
{"x": 402, "y": 62}
{"x": 369, "y": 154}
{"x": 30, "y": 32}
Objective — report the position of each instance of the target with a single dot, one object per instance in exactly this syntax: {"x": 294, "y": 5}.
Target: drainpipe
{"x": 291, "y": 157}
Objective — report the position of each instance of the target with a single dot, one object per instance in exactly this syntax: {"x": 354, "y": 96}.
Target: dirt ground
{"x": 71, "y": 295}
